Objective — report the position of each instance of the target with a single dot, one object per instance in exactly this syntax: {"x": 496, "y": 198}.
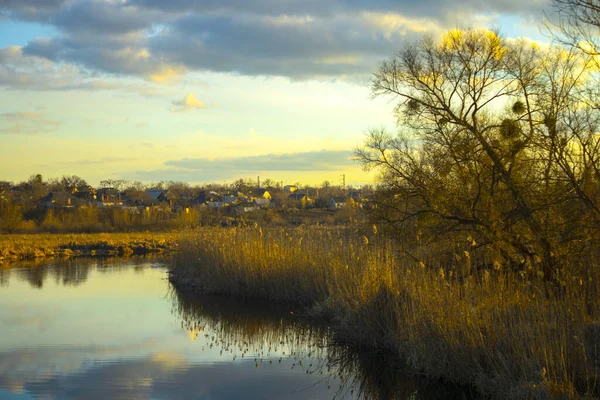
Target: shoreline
{"x": 14, "y": 248}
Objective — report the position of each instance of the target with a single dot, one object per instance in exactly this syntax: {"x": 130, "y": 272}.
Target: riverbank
{"x": 495, "y": 330}
{"x": 37, "y": 246}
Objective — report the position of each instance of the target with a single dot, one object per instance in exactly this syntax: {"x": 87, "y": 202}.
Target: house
{"x": 368, "y": 202}
{"x": 229, "y": 199}
{"x": 337, "y": 202}
{"x": 216, "y": 204}
{"x": 298, "y": 196}
{"x": 86, "y": 193}
{"x": 108, "y": 197}
{"x": 199, "y": 199}
{"x": 354, "y": 195}
{"x": 262, "y": 203}
{"x": 134, "y": 197}
{"x": 179, "y": 197}
{"x": 157, "y": 196}
{"x": 290, "y": 188}
{"x": 302, "y": 198}
{"x": 59, "y": 199}
{"x": 261, "y": 193}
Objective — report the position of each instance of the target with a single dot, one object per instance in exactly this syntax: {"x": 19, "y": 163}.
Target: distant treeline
{"x": 69, "y": 204}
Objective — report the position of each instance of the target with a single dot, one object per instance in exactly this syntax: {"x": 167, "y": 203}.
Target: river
{"x": 117, "y": 329}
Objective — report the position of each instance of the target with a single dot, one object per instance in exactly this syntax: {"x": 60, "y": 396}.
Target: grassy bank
{"x": 22, "y": 247}
{"x": 497, "y": 330}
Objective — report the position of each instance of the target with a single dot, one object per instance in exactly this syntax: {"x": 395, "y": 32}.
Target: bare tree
{"x": 73, "y": 183}
{"x": 496, "y": 144}
{"x": 576, "y": 23}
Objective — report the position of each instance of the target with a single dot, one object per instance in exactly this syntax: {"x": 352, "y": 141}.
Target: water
{"x": 98, "y": 329}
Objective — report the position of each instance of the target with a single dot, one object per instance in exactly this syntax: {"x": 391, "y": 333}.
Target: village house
{"x": 290, "y": 188}
{"x": 157, "y": 196}
{"x": 86, "y": 194}
{"x": 58, "y": 199}
{"x": 229, "y": 199}
{"x": 263, "y": 203}
{"x": 199, "y": 199}
{"x": 216, "y": 204}
{"x": 298, "y": 197}
{"x": 108, "y": 197}
{"x": 337, "y": 202}
{"x": 261, "y": 193}
{"x": 179, "y": 198}
{"x": 354, "y": 195}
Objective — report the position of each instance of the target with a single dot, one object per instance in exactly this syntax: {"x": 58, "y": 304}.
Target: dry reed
{"x": 496, "y": 330}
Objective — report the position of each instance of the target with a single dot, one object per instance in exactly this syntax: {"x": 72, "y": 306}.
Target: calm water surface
{"x": 101, "y": 329}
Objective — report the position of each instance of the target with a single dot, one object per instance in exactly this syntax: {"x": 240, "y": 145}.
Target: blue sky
{"x": 206, "y": 90}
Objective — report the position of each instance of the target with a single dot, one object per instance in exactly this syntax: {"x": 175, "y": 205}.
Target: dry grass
{"x": 497, "y": 330}
{"x": 20, "y": 247}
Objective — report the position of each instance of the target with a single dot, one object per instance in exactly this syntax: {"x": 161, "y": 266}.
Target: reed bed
{"x": 37, "y": 246}
{"x": 502, "y": 332}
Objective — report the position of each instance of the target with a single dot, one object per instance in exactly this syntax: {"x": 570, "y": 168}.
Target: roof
{"x": 199, "y": 198}
{"x": 259, "y": 191}
{"x": 59, "y": 197}
{"x": 154, "y": 193}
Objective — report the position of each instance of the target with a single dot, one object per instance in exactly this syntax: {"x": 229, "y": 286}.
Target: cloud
{"x": 26, "y": 123}
{"x": 255, "y": 45}
{"x": 188, "y": 103}
{"x": 31, "y": 10}
{"x": 213, "y": 169}
{"x": 160, "y": 41}
{"x": 38, "y": 67}
{"x": 324, "y": 160}
{"x": 65, "y": 373}
{"x": 428, "y": 8}
{"x": 166, "y": 74}
{"x": 104, "y": 17}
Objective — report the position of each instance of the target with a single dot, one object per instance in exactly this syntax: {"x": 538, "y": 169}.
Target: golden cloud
{"x": 189, "y": 102}
{"x": 167, "y": 74}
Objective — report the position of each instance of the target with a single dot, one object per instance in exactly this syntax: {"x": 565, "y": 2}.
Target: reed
{"x": 503, "y": 332}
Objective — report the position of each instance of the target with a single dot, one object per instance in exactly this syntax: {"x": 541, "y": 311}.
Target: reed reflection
{"x": 277, "y": 334}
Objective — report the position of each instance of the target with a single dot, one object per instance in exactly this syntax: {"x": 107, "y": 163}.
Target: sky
{"x": 210, "y": 90}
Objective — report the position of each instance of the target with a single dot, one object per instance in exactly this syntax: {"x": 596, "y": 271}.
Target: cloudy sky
{"x": 209, "y": 90}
